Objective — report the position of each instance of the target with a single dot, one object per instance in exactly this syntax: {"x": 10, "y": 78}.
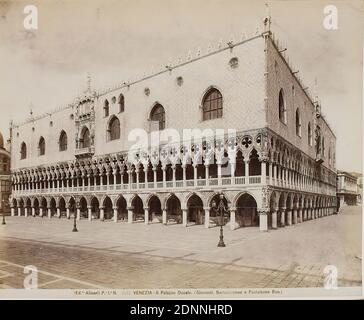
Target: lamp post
{"x": 221, "y": 210}
{"x": 75, "y": 217}
{"x": 3, "y": 210}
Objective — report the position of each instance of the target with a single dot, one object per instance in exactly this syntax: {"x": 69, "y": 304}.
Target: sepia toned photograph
{"x": 200, "y": 149}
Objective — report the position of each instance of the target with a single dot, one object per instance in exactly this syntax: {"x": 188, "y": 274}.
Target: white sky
{"x": 115, "y": 40}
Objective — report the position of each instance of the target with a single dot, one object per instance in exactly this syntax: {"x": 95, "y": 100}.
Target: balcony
{"x": 223, "y": 182}
{"x": 85, "y": 152}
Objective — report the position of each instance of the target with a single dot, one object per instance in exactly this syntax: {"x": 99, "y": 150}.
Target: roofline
{"x": 168, "y": 68}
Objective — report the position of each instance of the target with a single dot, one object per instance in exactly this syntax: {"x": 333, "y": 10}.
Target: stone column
{"x": 26, "y": 211}
{"x": 107, "y": 175}
{"x": 164, "y": 216}
{"x": 207, "y": 173}
{"x": 219, "y": 174}
{"x": 207, "y": 217}
{"x": 184, "y": 174}
{"x": 78, "y": 212}
{"x": 155, "y": 176}
{"x": 195, "y": 175}
{"x": 232, "y": 171}
{"x": 146, "y": 175}
{"x": 89, "y": 213}
{"x": 270, "y": 172}
{"x": 232, "y": 218}
{"x": 12, "y": 210}
{"x": 102, "y": 214}
{"x": 137, "y": 177}
{"x": 130, "y": 215}
{"x": 184, "y": 217}
{"x": 40, "y": 211}
{"x": 289, "y": 217}
{"x": 263, "y": 165}
{"x": 115, "y": 217}
{"x": 67, "y": 212}
{"x": 263, "y": 219}
{"x": 164, "y": 176}
{"x": 246, "y": 172}
{"x": 174, "y": 175}
{"x": 295, "y": 218}
{"x": 283, "y": 217}
{"x": 146, "y": 215}
{"x": 300, "y": 215}
{"x": 19, "y": 211}
{"x": 49, "y": 212}
{"x": 274, "y": 219}
{"x": 58, "y": 212}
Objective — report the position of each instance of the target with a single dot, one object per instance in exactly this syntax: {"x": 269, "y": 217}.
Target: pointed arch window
{"x": 309, "y": 134}
{"x": 121, "y": 102}
{"x": 106, "y": 108}
{"x": 114, "y": 129}
{"x": 282, "y": 107}
{"x": 23, "y": 151}
{"x": 298, "y": 123}
{"x": 212, "y": 104}
{"x": 323, "y": 147}
{"x": 63, "y": 141}
{"x": 41, "y": 146}
{"x": 158, "y": 115}
{"x": 85, "y": 141}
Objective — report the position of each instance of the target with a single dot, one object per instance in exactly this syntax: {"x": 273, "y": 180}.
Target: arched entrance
{"x": 43, "y": 205}
{"x": 138, "y": 209}
{"x": 246, "y": 211}
{"x": 108, "y": 211}
{"x": 83, "y": 208}
{"x": 36, "y": 207}
{"x": 173, "y": 207}
{"x": 95, "y": 208}
{"x": 72, "y": 207}
{"x": 122, "y": 209}
{"x": 28, "y": 205}
{"x": 53, "y": 207}
{"x": 62, "y": 207}
{"x": 21, "y": 207}
{"x": 155, "y": 210}
{"x": 273, "y": 208}
{"x": 195, "y": 213}
{"x": 281, "y": 211}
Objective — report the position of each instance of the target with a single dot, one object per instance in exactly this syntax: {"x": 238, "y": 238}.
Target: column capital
{"x": 263, "y": 211}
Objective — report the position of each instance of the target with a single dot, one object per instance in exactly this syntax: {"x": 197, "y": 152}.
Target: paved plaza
{"x": 121, "y": 255}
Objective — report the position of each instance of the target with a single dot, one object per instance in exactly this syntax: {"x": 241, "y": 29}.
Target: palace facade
{"x": 277, "y": 170}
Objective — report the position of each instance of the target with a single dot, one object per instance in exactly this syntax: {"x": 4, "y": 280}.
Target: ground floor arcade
{"x": 264, "y": 208}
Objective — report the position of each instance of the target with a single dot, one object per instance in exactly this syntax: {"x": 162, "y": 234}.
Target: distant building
{"x": 347, "y": 188}
{"x": 5, "y": 179}
{"x": 359, "y": 184}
